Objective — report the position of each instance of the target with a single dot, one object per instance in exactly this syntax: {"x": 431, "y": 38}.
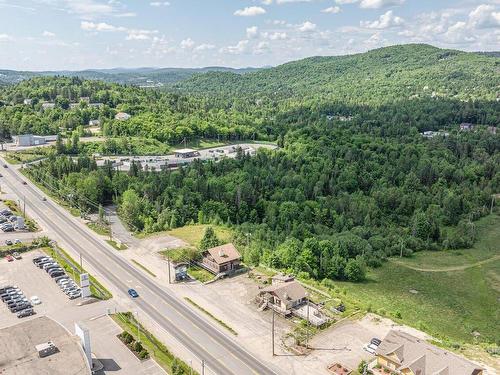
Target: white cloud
{"x": 5, "y": 38}
{"x": 458, "y": 34}
{"x": 187, "y": 43}
{"x": 250, "y": 11}
{"x": 307, "y": 27}
{"x": 274, "y": 36}
{"x": 88, "y": 8}
{"x": 484, "y": 16}
{"x": 292, "y": 1}
{"x": 261, "y": 48}
{"x": 331, "y": 10}
{"x": 101, "y": 26}
{"x": 267, "y": 2}
{"x": 132, "y": 34}
{"x": 385, "y": 21}
{"x": 252, "y": 32}
{"x": 238, "y": 49}
{"x": 342, "y": 2}
{"x": 376, "y": 4}
{"x": 204, "y": 47}
{"x": 159, "y": 3}
{"x": 48, "y": 34}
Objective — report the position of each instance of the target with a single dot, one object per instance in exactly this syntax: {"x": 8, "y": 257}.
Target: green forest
{"x": 352, "y": 183}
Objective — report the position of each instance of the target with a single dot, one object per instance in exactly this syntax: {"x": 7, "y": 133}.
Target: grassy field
{"x": 200, "y": 274}
{"x": 450, "y": 304}
{"x": 192, "y": 234}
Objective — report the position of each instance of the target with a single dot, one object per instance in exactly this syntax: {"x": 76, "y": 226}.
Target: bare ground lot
{"x": 105, "y": 345}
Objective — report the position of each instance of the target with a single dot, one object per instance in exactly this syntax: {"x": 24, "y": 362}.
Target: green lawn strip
{"x": 16, "y": 210}
{"x": 199, "y": 274}
{"x": 96, "y": 288}
{"x": 100, "y": 229}
{"x": 115, "y": 245}
{"x": 159, "y": 352}
{"x": 143, "y": 267}
{"x": 18, "y": 248}
{"x": 211, "y": 316}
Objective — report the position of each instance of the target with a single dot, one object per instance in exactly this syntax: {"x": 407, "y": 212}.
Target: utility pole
{"x": 24, "y": 207}
{"x": 169, "y": 278}
{"x": 492, "y": 203}
{"x": 81, "y": 263}
{"x": 202, "y": 367}
{"x": 272, "y": 334}
{"x": 307, "y": 331}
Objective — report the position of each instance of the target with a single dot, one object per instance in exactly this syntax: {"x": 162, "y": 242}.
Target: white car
{"x": 370, "y": 348}
{"x": 35, "y": 300}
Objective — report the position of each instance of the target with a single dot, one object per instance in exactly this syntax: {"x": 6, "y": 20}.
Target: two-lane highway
{"x": 221, "y": 353}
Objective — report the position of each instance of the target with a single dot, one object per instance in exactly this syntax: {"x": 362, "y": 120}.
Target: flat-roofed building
{"x": 185, "y": 153}
{"x": 41, "y": 346}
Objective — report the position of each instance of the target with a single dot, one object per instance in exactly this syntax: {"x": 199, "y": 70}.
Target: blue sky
{"x": 80, "y": 34}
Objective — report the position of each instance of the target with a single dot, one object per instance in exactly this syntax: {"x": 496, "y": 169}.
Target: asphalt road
{"x": 221, "y": 353}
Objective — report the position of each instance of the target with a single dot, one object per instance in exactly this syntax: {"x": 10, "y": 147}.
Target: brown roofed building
{"x": 405, "y": 354}
{"x": 221, "y": 259}
{"x": 283, "y": 296}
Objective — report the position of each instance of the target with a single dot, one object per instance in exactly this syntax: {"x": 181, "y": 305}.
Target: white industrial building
{"x": 24, "y": 140}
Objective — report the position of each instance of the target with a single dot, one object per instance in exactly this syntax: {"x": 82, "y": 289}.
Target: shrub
{"x": 143, "y": 354}
{"x": 138, "y": 347}
{"x": 127, "y": 337}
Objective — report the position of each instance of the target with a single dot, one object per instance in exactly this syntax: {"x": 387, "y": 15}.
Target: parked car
{"x": 35, "y": 300}
{"x": 8, "y": 228}
{"x": 13, "y": 218}
{"x": 26, "y": 312}
{"x": 132, "y": 293}
{"x": 17, "y": 241}
{"x": 8, "y": 242}
{"x": 75, "y": 294}
{"x": 17, "y": 256}
{"x": 25, "y": 183}
{"x": 6, "y": 212}
{"x": 370, "y": 348}
{"x": 61, "y": 278}
{"x": 20, "y": 307}
{"x": 9, "y": 258}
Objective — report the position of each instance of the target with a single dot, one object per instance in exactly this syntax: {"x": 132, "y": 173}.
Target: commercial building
{"x": 33, "y": 140}
{"x": 41, "y": 346}
{"x": 185, "y": 153}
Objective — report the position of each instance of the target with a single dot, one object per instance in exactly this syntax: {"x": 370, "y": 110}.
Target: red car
{"x": 9, "y": 258}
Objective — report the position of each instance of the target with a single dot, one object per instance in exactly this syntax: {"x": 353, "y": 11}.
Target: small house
{"x": 283, "y": 296}
{"x": 122, "y": 116}
{"x": 28, "y": 101}
{"x": 221, "y": 259}
{"x": 47, "y": 105}
{"x": 403, "y": 354}
{"x": 466, "y": 126}
{"x": 94, "y": 123}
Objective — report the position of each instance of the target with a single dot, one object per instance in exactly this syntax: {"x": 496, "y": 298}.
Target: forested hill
{"x": 399, "y": 72}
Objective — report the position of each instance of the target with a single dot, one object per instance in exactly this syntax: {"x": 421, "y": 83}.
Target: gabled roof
{"x": 423, "y": 358}
{"x": 289, "y": 291}
{"x": 224, "y": 253}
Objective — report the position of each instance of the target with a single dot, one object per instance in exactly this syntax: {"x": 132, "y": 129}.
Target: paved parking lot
{"x": 55, "y": 304}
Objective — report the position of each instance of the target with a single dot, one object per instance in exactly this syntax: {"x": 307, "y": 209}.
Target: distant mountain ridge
{"x": 144, "y": 76}
{"x": 409, "y": 71}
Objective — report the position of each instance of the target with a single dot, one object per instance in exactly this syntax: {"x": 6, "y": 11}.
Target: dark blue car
{"x": 132, "y": 293}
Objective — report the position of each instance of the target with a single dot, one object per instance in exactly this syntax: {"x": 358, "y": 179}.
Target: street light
{"x": 138, "y": 330}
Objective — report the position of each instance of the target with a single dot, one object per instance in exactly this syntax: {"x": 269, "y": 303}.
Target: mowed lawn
{"x": 447, "y": 304}
{"x": 192, "y": 234}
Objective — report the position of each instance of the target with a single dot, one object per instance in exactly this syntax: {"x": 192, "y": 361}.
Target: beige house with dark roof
{"x": 283, "y": 296}
{"x": 404, "y": 354}
{"x": 221, "y": 259}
